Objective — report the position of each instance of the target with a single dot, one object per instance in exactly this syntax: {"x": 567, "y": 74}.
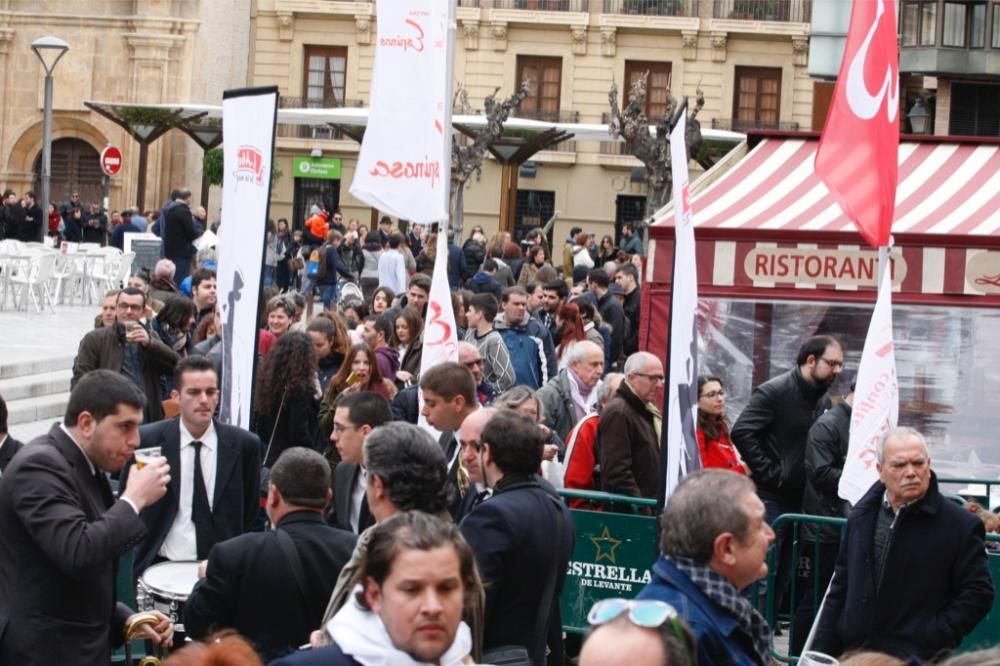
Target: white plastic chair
{"x": 34, "y": 282}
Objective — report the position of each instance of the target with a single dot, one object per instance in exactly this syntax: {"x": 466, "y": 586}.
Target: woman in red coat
{"x": 713, "y": 429}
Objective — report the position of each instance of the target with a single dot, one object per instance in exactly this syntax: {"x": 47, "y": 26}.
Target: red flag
{"x": 857, "y": 156}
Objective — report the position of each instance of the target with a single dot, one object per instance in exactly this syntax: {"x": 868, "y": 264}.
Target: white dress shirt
{"x": 357, "y": 496}
{"x": 180, "y": 542}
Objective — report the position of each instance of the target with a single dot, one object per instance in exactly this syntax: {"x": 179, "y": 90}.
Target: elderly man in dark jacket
{"x": 628, "y": 434}
{"x": 912, "y": 577}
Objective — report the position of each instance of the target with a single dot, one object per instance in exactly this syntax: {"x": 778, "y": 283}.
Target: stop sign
{"x": 111, "y": 160}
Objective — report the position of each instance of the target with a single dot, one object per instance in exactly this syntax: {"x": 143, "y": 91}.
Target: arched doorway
{"x": 76, "y": 166}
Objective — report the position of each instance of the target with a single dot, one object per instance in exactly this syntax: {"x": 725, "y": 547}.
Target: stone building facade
{"x": 748, "y": 56}
{"x": 138, "y": 51}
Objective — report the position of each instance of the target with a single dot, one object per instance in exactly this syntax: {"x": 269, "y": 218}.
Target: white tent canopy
{"x": 359, "y": 117}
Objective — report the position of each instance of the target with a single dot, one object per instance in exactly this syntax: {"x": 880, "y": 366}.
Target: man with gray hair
{"x": 714, "y": 545}
{"x": 580, "y": 461}
{"x": 628, "y": 434}
{"x": 571, "y": 394}
{"x": 912, "y": 578}
{"x": 273, "y": 586}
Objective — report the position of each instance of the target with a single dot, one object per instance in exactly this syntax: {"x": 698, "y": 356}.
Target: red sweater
{"x": 719, "y": 452}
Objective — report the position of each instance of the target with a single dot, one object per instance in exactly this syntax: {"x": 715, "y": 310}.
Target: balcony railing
{"x": 541, "y": 5}
{"x": 747, "y": 125}
{"x": 786, "y": 11}
{"x": 652, "y": 7}
{"x": 322, "y": 131}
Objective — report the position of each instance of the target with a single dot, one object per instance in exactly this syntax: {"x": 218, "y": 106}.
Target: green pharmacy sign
{"x": 326, "y": 168}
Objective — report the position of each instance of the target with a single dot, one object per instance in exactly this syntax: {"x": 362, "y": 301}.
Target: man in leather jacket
{"x": 771, "y": 433}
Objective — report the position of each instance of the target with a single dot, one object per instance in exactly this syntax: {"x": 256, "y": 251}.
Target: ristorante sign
{"x": 818, "y": 267}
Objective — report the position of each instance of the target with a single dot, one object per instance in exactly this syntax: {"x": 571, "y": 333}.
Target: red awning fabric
{"x": 944, "y": 188}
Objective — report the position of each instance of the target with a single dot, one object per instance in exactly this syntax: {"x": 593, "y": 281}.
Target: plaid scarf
{"x": 722, "y": 592}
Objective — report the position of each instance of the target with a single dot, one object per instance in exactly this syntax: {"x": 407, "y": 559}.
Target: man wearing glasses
{"x": 772, "y": 430}
{"x": 215, "y": 493}
{"x": 356, "y": 416}
{"x": 628, "y": 433}
{"x": 130, "y": 348}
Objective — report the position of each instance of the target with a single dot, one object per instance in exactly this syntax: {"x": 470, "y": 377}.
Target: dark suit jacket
{"x": 7, "y": 451}
{"x": 178, "y": 232}
{"x": 236, "y": 500}
{"x": 328, "y": 655}
{"x": 62, "y": 535}
{"x": 250, "y": 586}
{"x": 515, "y": 557}
{"x": 345, "y": 476}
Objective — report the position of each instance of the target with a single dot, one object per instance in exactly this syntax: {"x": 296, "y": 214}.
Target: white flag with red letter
{"x": 876, "y": 397}
{"x": 404, "y": 167}
{"x": 440, "y": 332}
{"x": 679, "y": 445}
{"x": 857, "y": 155}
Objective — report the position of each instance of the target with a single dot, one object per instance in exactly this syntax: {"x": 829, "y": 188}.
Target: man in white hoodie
{"x": 408, "y": 610}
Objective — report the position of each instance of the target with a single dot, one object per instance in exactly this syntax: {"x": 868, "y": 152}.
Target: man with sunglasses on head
{"x": 628, "y": 434}
{"x": 131, "y": 348}
{"x": 215, "y": 493}
{"x": 772, "y": 431}
{"x": 714, "y": 542}
{"x": 652, "y": 630}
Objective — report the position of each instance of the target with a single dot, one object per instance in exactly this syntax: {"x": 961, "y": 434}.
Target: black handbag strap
{"x": 294, "y": 560}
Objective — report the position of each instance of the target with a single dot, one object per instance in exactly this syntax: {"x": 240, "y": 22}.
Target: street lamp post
{"x": 49, "y": 51}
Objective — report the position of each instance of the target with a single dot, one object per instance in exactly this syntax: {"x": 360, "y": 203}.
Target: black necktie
{"x": 201, "y": 512}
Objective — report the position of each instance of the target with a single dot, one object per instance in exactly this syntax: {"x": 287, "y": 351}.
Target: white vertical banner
{"x": 404, "y": 167}
{"x": 249, "y": 116}
{"x": 679, "y": 446}
{"x": 876, "y": 394}
{"x": 440, "y": 332}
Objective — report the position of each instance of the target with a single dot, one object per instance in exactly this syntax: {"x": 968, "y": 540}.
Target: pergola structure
{"x": 522, "y": 139}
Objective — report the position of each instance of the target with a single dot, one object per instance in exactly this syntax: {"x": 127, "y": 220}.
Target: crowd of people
{"x": 337, "y": 521}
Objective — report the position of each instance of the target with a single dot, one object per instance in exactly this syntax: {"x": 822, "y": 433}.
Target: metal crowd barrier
{"x": 612, "y": 556}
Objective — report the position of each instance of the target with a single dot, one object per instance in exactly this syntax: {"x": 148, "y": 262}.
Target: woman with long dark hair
{"x": 713, "y": 428}
{"x": 606, "y": 251}
{"x": 381, "y": 300}
{"x": 331, "y": 343}
{"x": 287, "y": 397}
{"x": 409, "y": 328}
{"x": 358, "y": 372}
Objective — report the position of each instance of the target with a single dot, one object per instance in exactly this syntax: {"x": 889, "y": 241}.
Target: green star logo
{"x": 606, "y": 545}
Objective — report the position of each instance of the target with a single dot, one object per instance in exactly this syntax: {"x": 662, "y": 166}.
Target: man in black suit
{"x": 195, "y": 515}
{"x": 273, "y": 587}
{"x": 8, "y": 445}
{"x": 449, "y": 391}
{"x": 357, "y": 414}
{"x": 63, "y": 531}
{"x": 523, "y": 562}
{"x": 179, "y": 232}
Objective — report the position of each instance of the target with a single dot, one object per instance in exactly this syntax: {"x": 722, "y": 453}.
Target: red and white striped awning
{"x": 944, "y": 188}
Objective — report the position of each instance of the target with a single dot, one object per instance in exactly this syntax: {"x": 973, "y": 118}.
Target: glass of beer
{"x": 812, "y": 658}
{"x": 145, "y": 456}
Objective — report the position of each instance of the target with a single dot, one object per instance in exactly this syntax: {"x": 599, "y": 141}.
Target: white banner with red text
{"x": 249, "y": 116}
{"x": 404, "y": 167}
{"x": 440, "y": 331}
{"x": 679, "y": 442}
{"x": 876, "y": 397}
